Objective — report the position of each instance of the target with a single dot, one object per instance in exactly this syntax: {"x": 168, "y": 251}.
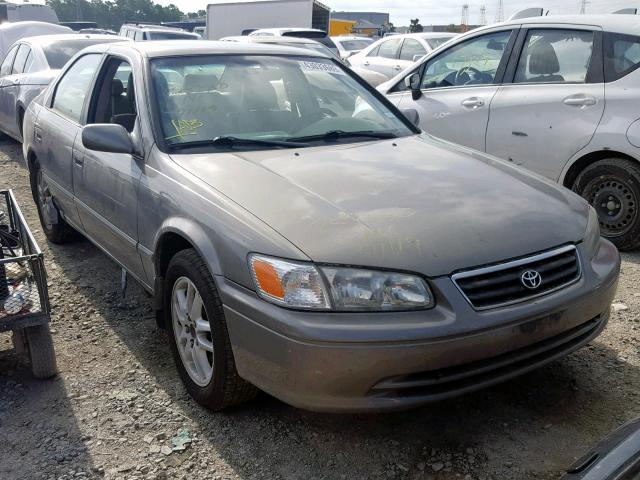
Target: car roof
{"x": 609, "y": 22}
{"x": 162, "y": 48}
{"x": 287, "y": 30}
{"x": 48, "y": 39}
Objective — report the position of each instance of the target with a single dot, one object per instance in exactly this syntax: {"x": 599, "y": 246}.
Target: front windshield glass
{"x": 272, "y": 98}
{"x": 355, "y": 45}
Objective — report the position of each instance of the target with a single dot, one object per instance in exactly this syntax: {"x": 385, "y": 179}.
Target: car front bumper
{"x": 351, "y": 362}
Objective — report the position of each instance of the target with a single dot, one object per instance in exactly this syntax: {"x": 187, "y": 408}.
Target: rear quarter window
{"x": 621, "y": 55}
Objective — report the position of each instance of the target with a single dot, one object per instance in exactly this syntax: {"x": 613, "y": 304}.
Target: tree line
{"x": 112, "y": 14}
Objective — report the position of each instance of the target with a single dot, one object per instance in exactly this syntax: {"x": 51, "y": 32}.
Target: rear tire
{"x": 187, "y": 278}
{"x": 55, "y": 228}
{"x": 41, "y": 352}
{"x": 612, "y": 187}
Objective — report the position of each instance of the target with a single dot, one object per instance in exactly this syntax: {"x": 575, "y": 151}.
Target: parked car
{"x": 202, "y": 31}
{"x": 12, "y": 32}
{"x": 312, "y": 33}
{"x": 143, "y": 32}
{"x": 349, "y": 45}
{"x": 552, "y": 94}
{"x": 391, "y": 55}
{"x": 29, "y": 67}
{"x": 372, "y": 78}
{"x": 617, "y": 457}
{"x": 97, "y": 31}
{"x": 309, "y": 241}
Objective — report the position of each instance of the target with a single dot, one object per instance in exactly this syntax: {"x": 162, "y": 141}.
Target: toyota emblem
{"x": 531, "y": 279}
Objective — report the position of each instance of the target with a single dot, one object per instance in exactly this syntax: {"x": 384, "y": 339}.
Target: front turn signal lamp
{"x": 307, "y": 286}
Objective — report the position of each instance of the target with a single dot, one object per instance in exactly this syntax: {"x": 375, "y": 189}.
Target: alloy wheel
{"x": 192, "y": 331}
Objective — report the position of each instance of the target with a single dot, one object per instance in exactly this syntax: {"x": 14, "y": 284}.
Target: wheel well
{"x": 589, "y": 159}
{"x": 169, "y": 244}
{"x": 20, "y": 119}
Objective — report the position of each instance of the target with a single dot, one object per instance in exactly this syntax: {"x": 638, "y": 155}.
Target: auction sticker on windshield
{"x": 307, "y": 66}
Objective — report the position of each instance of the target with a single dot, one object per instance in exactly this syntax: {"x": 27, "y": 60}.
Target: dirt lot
{"x": 118, "y": 401}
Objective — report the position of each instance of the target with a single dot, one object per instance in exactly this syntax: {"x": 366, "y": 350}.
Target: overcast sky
{"x": 445, "y": 11}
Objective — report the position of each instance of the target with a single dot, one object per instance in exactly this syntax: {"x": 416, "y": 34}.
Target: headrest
{"x": 117, "y": 88}
{"x": 543, "y": 59}
{"x": 194, "y": 83}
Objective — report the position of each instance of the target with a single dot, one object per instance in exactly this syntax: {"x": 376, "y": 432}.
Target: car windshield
{"x": 317, "y": 47}
{"x": 436, "y": 42}
{"x": 171, "y": 36}
{"x": 59, "y": 53}
{"x": 353, "y": 45}
{"x": 266, "y": 98}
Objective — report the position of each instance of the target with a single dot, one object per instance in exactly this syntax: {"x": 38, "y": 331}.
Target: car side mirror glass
{"x": 412, "y": 82}
{"x": 412, "y": 115}
{"x": 107, "y": 137}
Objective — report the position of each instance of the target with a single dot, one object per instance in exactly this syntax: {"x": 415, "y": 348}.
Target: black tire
{"x": 58, "y": 231}
{"x": 41, "y": 352}
{"x": 612, "y": 186}
{"x": 226, "y": 388}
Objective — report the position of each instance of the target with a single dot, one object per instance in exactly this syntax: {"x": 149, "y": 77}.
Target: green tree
{"x": 113, "y": 13}
{"x": 415, "y": 26}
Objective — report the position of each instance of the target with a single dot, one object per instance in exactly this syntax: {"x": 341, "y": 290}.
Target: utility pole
{"x": 500, "y": 12}
{"x": 583, "y": 6}
{"x": 464, "y": 20}
{"x": 483, "y": 14}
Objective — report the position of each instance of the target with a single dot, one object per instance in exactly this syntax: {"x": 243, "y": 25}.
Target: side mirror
{"x": 413, "y": 83}
{"x": 412, "y": 115}
{"x": 107, "y": 137}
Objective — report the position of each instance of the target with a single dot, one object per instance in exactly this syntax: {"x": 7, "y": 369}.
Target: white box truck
{"x": 228, "y": 18}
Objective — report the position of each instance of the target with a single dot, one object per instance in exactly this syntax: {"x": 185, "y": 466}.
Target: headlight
{"x": 355, "y": 289}
{"x": 592, "y": 234}
{"x": 302, "y": 285}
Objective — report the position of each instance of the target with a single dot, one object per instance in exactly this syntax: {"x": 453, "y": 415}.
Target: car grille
{"x": 503, "y": 284}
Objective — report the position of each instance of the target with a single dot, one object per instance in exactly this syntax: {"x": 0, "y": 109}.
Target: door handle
{"x": 473, "y": 102}
{"x": 397, "y": 67}
{"x": 366, "y": 64}
{"x": 16, "y": 81}
{"x": 580, "y": 100}
{"x": 36, "y": 133}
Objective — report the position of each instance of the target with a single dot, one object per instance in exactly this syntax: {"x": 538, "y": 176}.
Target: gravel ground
{"x": 118, "y": 403}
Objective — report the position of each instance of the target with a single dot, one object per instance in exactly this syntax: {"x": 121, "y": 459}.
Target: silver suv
{"x": 300, "y": 236}
{"x": 556, "y": 95}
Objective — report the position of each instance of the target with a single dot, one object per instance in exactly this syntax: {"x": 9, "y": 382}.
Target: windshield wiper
{"x": 230, "y": 142}
{"x": 333, "y": 135}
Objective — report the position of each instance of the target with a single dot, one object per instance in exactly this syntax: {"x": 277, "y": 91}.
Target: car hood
{"x": 415, "y": 203}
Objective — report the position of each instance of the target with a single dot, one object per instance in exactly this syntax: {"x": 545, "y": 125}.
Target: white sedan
{"x": 390, "y": 55}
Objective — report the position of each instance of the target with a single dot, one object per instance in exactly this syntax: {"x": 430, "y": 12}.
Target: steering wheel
{"x": 464, "y": 72}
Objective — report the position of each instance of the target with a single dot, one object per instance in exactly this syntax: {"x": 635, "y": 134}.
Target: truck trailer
{"x": 229, "y": 18}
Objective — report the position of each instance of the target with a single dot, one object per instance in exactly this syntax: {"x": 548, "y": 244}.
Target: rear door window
{"x": 410, "y": 49}
{"x": 555, "y": 56}
{"x": 21, "y": 58}
{"x": 621, "y": 55}
{"x": 389, "y": 49}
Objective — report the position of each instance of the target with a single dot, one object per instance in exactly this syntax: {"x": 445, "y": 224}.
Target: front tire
{"x": 612, "y": 187}
{"x": 55, "y": 228}
{"x": 198, "y": 335}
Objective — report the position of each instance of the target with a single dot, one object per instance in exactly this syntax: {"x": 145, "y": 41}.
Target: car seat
{"x": 543, "y": 62}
